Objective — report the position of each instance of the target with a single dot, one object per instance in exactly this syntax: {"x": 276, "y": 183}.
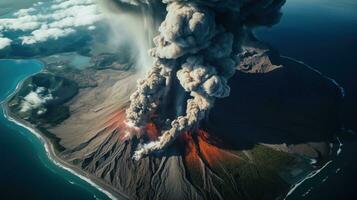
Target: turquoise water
{"x": 26, "y": 172}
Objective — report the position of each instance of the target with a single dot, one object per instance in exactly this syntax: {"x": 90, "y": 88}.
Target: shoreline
{"x": 19, "y": 84}
{"x": 334, "y": 153}
{"x": 51, "y": 152}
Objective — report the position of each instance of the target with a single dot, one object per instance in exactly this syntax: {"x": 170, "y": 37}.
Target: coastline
{"x": 336, "y": 148}
{"x": 307, "y": 177}
{"x": 51, "y": 152}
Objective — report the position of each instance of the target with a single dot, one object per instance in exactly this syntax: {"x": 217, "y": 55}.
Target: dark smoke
{"x": 197, "y": 45}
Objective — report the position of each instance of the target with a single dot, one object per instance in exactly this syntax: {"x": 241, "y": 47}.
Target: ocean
{"x": 323, "y": 34}
{"x": 26, "y": 172}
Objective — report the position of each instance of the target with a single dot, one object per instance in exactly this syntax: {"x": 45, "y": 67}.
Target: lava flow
{"x": 199, "y": 145}
{"x": 116, "y": 122}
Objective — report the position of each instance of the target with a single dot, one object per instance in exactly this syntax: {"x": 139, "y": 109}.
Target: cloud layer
{"x": 50, "y": 21}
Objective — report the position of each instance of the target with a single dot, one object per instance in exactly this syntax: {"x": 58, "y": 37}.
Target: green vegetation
{"x": 256, "y": 176}
{"x": 260, "y": 177}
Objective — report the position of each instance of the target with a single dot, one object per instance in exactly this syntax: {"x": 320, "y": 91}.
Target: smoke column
{"x": 197, "y": 50}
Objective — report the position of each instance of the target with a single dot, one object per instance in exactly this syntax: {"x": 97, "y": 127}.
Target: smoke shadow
{"x": 294, "y": 104}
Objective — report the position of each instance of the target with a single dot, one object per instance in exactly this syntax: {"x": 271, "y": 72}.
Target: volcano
{"x": 219, "y": 115}
{"x": 256, "y": 144}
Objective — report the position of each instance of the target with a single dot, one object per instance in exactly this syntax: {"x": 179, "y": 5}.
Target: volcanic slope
{"x": 256, "y": 144}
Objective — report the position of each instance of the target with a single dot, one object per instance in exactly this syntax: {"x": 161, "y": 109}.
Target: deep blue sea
{"x": 323, "y": 34}
{"x": 25, "y": 169}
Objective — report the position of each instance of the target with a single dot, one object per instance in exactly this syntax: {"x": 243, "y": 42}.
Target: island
{"x": 253, "y": 124}
{"x": 275, "y": 128}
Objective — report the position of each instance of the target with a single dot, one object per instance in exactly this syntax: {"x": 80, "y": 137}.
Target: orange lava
{"x": 199, "y": 146}
{"x": 116, "y": 118}
{"x": 191, "y": 152}
{"x": 116, "y": 122}
{"x": 203, "y": 148}
{"x": 211, "y": 153}
{"x": 152, "y": 131}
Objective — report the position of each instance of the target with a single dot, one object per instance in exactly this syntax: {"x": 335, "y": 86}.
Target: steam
{"x": 131, "y": 31}
{"x": 195, "y": 49}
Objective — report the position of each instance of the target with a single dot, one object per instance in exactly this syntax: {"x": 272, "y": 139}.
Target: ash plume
{"x": 196, "y": 48}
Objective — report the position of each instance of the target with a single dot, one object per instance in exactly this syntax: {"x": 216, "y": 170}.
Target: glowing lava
{"x": 117, "y": 122}
{"x": 152, "y": 131}
{"x": 199, "y": 146}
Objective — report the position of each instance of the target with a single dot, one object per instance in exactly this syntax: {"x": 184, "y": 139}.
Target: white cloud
{"x": 45, "y": 33}
{"x": 4, "y": 42}
{"x": 23, "y": 23}
{"x": 36, "y": 100}
{"x": 53, "y": 20}
{"x": 76, "y": 16}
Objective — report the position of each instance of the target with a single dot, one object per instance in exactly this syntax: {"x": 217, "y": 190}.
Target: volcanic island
{"x": 251, "y": 128}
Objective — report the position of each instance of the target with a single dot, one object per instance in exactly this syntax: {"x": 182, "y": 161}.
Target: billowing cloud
{"x": 186, "y": 35}
{"x": 196, "y": 50}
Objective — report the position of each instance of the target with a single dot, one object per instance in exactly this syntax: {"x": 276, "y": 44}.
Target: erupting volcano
{"x": 218, "y": 115}
{"x": 196, "y": 51}
{"x": 169, "y": 141}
